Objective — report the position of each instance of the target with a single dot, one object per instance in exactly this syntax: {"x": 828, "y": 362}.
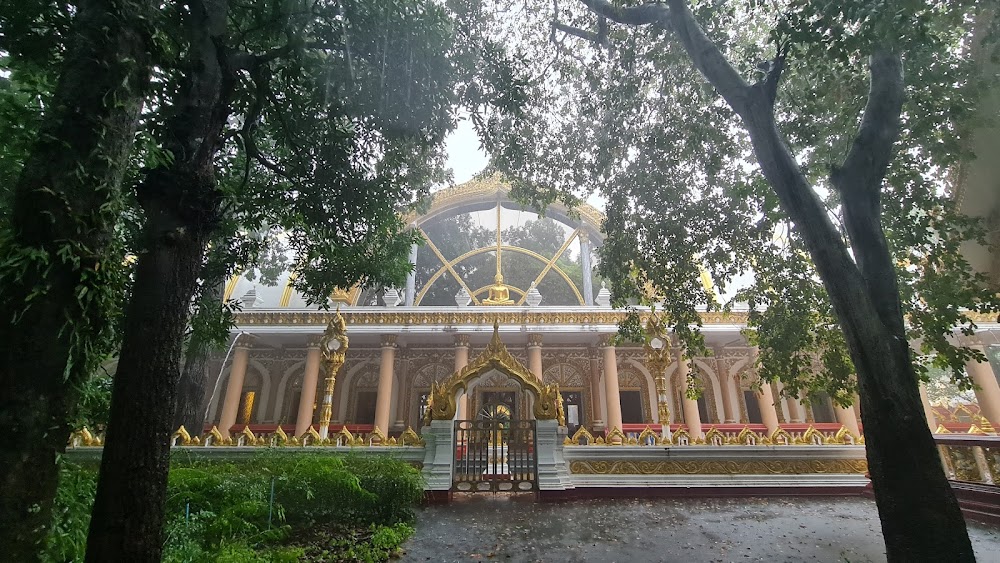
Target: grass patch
{"x": 274, "y": 507}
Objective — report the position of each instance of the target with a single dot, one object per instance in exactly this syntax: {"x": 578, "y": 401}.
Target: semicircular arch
{"x": 482, "y": 194}
{"x": 475, "y": 252}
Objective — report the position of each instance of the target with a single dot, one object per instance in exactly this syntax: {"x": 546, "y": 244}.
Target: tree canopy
{"x": 624, "y": 113}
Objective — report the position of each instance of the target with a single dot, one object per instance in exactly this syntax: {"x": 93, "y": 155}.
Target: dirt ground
{"x": 514, "y": 528}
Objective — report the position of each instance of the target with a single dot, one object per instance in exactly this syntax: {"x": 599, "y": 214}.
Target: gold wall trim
{"x": 459, "y": 317}
{"x": 720, "y": 467}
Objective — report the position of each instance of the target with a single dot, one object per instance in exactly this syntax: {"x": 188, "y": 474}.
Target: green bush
{"x": 67, "y": 538}
{"x": 259, "y": 509}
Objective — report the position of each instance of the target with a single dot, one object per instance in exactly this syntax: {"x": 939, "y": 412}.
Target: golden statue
{"x": 499, "y": 294}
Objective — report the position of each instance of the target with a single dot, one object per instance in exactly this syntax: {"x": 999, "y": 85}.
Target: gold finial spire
{"x": 499, "y": 293}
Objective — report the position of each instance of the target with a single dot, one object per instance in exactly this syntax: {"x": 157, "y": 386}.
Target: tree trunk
{"x": 921, "y": 519}
{"x": 127, "y": 519}
{"x": 189, "y": 408}
{"x": 64, "y": 200}
{"x": 182, "y": 205}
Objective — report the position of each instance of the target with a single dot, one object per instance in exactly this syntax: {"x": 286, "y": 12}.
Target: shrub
{"x": 67, "y": 538}
{"x": 243, "y": 511}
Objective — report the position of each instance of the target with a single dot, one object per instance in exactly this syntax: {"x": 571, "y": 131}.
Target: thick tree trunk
{"x": 189, "y": 407}
{"x": 182, "y": 205}
{"x": 189, "y": 411}
{"x": 127, "y": 518}
{"x": 921, "y": 519}
{"x": 64, "y": 200}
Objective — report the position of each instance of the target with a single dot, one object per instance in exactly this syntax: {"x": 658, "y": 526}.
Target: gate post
{"x": 553, "y": 474}
{"x": 439, "y": 455}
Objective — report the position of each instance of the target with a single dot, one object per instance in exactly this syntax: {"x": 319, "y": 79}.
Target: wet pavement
{"x": 514, "y": 528}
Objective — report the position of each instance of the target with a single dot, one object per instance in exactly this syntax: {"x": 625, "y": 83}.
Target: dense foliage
{"x": 620, "y": 110}
{"x": 324, "y": 507}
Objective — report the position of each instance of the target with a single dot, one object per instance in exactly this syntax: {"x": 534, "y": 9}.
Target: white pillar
{"x": 692, "y": 418}
{"x": 307, "y": 399}
{"x": 462, "y": 360}
{"x": 932, "y": 422}
{"x": 234, "y": 391}
{"x": 411, "y": 278}
{"x": 596, "y": 396}
{"x": 611, "y": 385}
{"x": 846, "y": 418}
{"x": 768, "y": 413}
{"x": 729, "y": 400}
{"x": 534, "y": 366}
{"x": 588, "y": 270}
{"x": 385, "y": 375}
{"x": 987, "y": 389}
{"x": 796, "y": 410}
{"x": 765, "y": 398}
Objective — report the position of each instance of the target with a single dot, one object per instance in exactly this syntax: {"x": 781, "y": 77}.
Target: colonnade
{"x": 604, "y": 361}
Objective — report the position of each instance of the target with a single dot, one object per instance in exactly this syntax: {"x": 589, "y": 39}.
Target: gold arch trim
{"x": 551, "y": 264}
{"x": 450, "y": 264}
{"x": 486, "y": 190}
{"x": 231, "y": 286}
{"x": 348, "y": 297}
{"x": 286, "y": 295}
{"x": 495, "y": 357}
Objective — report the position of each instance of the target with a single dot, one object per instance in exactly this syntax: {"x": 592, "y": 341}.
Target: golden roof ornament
{"x": 499, "y": 292}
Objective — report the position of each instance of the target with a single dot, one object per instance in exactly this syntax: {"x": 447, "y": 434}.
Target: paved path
{"x": 507, "y": 529}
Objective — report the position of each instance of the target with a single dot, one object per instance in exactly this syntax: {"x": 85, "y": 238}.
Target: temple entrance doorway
{"x": 495, "y": 453}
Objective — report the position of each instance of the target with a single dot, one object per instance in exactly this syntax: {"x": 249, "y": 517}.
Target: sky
{"x": 464, "y": 155}
{"x": 466, "y": 158}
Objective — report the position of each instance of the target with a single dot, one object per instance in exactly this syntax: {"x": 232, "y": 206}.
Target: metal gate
{"x": 495, "y": 456}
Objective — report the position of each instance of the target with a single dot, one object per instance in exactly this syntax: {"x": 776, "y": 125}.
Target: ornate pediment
{"x": 494, "y": 357}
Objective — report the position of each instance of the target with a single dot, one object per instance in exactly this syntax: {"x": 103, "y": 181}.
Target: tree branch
{"x": 643, "y": 14}
{"x": 871, "y": 151}
{"x": 581, "y": 33}
{"x": 859, "y": 182}
{"x": 705, "y": 55}
{"x": 768, "y": 84}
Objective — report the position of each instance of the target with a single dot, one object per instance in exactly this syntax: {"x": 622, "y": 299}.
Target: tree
{"x": 649, "y": 104}
{"x": 333, "y": 115}
{"x": 58, "y": 260}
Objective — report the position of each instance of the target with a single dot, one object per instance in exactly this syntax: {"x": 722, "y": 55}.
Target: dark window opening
{"x": 364, "y": 412}
{"x": 753, "y": 409}
{"x": 631, "y": 407}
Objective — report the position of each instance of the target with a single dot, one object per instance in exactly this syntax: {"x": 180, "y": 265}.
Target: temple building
{"x": 488, "y": 261}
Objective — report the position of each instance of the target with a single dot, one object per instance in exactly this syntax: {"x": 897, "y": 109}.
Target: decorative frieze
{"x": 720, "y": 467}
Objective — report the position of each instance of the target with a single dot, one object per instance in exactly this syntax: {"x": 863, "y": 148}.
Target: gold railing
{"x": 717, "y": 437}
{"x": 970, "y": 458}
{"x": 213, "y": 438}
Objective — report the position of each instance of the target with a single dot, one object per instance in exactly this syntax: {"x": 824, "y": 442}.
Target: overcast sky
{"x": 464, "y": 155}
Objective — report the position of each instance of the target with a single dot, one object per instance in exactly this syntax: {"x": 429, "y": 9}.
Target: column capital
{"x": 584, "y": 237}
{"x": 313, "y": 340}
{"x": 534, "y": 339}
{"x": 388, "y": 340}
{"x": 462, "y": 340}
{"x": 606, "y": 341}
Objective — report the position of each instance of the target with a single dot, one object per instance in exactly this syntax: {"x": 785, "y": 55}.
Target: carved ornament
{"x": 442, "y": 404}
